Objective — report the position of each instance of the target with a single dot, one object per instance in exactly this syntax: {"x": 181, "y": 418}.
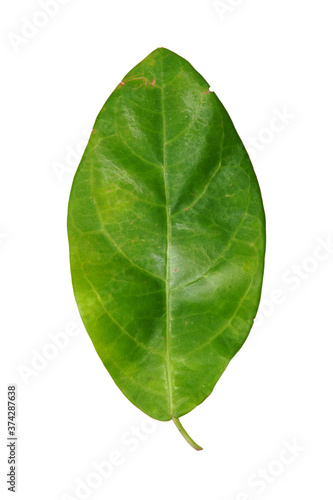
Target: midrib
{"x": 168, "y": 242}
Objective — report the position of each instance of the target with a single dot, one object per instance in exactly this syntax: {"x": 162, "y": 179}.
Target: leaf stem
{"x": 185, "y": 435}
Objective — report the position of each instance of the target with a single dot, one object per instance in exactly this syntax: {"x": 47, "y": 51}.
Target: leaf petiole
{"x": 185, "y": 435}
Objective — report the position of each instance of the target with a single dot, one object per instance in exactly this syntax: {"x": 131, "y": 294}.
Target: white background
{"x": 263, "y": 59}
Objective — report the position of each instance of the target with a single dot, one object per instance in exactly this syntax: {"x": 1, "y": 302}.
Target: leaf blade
{"x": 166, "y": 226}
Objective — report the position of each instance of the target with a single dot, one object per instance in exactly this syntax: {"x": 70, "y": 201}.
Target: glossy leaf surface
{"x": 167, "y": 236}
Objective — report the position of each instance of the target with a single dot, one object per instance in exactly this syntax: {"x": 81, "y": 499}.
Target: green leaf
{"x": 167, "y": 237}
